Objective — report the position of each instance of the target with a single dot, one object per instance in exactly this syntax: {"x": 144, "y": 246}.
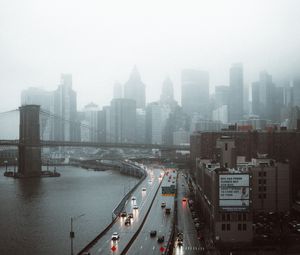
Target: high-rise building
{"x": 66, "y": 125}
{"x": 221, "y": 96}
{"x": 117, "y": 93}
{"x": 296, "y": 92}
{"x": 134, "y": 89}
{"x": 44, "y": 99}
{"x": 140, "y": 126}
{"x": 123, "y": 120}
{"x": 236, "y": 95}
{"x": 195, "y": 92}
{"x": 156, "y": 120}
{"x": 167, "y": 93}
{"x": 263, "y": 97}
{"x": 91, "y": 120}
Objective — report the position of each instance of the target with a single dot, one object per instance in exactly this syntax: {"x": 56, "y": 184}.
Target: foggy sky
{"x": 99, "y": 42}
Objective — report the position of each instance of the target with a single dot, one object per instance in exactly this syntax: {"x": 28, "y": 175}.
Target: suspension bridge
{"x": 40, "y": 128}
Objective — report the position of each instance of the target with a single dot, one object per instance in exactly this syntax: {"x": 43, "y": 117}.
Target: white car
{"x": 115, "y": 236}
{"x": 135, "y": 207}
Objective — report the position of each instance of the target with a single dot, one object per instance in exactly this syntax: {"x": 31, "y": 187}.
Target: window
{"x": 244, "y": 216}
{"x": 244, "y": 227}
{"x": 264, "y": 196}
{"x": 239, "y": 227}
{"x": 259, "y": 196}
{"x": 223, "y": 227}
{"x": 259, "y": 188}
{"x": 228, "y": 227}
{"x": 265, "y": 188}
{"x": 265, "y": 181}
{"x": 223, "y": 217}
{"x": 259, "y": 174}
{"x": 259, "y": 181}
{"x": 228, "y": 216}
{"x": 265, "y": 174}
{"x": 239, "y": 217}
{"x": 226, "y": 146}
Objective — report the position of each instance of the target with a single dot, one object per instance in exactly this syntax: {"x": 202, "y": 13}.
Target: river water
{"x": 35, "y": 214}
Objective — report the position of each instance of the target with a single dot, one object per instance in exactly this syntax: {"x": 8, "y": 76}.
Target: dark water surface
{"x": 35, "y": 214}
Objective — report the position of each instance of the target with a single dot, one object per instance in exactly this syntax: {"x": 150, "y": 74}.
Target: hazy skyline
{"x": 99, "y": 42}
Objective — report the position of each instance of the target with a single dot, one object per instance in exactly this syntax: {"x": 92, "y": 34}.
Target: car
{"x": 115, "y": 236}
{"x": 163, "y": 204}
{"x": 127, "y": 221}
{"x": 130, "y": 215}
{"x": 152, "y": 233}
{"x": 135, "y": 207}
{"x": 123, "y": 214}
{"x": 133, "y": 198}
{"x": 144, "y": 189}
{"x": 160, "y": 239}
{"x": 168, "y": 210}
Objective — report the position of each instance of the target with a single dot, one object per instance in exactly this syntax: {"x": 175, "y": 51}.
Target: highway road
{"x": 143, "y": 200}
{"x": 157, "y": 220}
{"x": 185, "y": 224}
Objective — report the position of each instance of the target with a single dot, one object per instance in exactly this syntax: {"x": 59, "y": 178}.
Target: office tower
{"x": 43, "y": 98}
{"x": 134, "y": 89}
{"x": 140, "y": 126}
{"x": 117, "y": 93}
{"x": 177, "y": 120}
{"x": 296, "y": 92}
{"x": 156, "y": 118}
{"x": 105, "y": 124}
{"x": 263, "y": 97}
{"x": 90, "y": 127}
{"x": 123, "y": 120}
{"x": 221, "y": 96}
{"x": 66, "y": 126}
{"x": 236, "y": 85}
{"x": 195, "y": 92}
{"x": 167, "y": 93}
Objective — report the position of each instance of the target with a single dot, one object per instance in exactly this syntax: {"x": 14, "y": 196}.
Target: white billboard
{"x": 232, "y": 180}
{"x": 234, "y": 191}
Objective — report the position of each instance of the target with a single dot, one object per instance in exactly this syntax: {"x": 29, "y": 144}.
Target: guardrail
{"x": 115, "y": 213}
{"x": 122, "y": 203}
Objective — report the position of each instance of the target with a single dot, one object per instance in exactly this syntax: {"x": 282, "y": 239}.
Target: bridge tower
{"x": 29, "y": 147}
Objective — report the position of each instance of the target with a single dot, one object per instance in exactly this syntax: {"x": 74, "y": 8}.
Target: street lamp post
{"x": 72, "y": 233}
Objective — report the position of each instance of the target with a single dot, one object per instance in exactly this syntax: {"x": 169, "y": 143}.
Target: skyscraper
{"x": 134, "y": 89}
{"x": 123, "y": 120}
{"x": 156, "y": 120}
{"x": 43, "y": 98}
{"x": 91, "y": 119}
{"x": 167, "y": 94}
{"x": 263, "y": 97}
{"x": 66, "y": 126}
{"x": 195, "y": 92}
{"x": 296, "y": 92}
{"x": 117, "y": 93}
{"x": 236, "y": 84}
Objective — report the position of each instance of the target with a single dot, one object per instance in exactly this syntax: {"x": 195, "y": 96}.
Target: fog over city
{"x": 99, "y": 43}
